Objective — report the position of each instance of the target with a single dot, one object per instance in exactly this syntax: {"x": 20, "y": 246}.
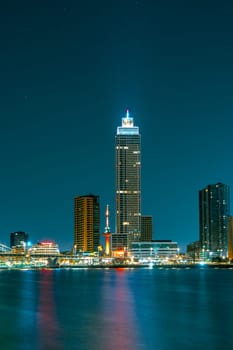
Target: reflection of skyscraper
{"x": 128, "y": 179}
{"x": 214, "y": 208}
{"x": 86, "y": 223}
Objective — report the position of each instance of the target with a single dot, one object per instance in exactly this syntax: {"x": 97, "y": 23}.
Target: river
{"x": 116, "y": 309}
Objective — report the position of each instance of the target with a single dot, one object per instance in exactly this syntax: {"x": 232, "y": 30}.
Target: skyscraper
{"x": 128, "y": 179}
{"x": 230, "y": 238}
{"x": 214, "y": 209}
{"x": 146, "y": 228}
{"x": 18, "y": 239}
{"x": 86, "y": 223}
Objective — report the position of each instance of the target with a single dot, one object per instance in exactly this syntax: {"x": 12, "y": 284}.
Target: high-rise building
{"x": 128, "y": 180}
{"x": 193, "y": 250}
{"x": 146, "y": 228}
{"x": 86, "y": 223}
{"x": 120, "y": 244}
{"x": 230, "y": 238}
{"x": 18, "y": 239}
{"x": 214, "y": 209}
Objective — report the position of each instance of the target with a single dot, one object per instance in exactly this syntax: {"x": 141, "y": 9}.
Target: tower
{"x": 146, "y": 228}
{"x": 86, "y": 223}
{"x": 107, "y": 233}
{"x": 128, "y": 179}
{"x": 214, "y": 209}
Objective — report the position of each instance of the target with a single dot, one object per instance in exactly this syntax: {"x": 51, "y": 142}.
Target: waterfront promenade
{"x": 21, "y": 261}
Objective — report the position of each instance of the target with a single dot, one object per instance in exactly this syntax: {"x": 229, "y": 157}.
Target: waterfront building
{"x": 18, "y": 239}
{"x": 128, "y": 181}
{"x": 146, "y": 228}
{"x": 86, "y": 223}
{"x": 214, "y": 209}
{"x": 193, "y": 251}
{"x": 44, "y": 248}
{"x": 120, "y": 244}
{"x": 230, "y": 238}
{"x": 163, "y": 250}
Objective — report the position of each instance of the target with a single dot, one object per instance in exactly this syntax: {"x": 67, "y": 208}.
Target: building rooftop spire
{"x": 107, "y": 228}
{"x": 127, "y": 121}
{"x": 127, "y": 125}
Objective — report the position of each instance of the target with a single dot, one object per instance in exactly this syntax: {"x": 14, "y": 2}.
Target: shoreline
{"x": 123, "y": 266}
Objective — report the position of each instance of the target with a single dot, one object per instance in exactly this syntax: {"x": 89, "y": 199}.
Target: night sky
{"x": 69, "y": 70}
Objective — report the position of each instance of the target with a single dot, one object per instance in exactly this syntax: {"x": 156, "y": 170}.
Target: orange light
{"x": 120, "y": 252}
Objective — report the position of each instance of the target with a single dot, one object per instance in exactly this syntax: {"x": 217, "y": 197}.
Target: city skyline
{"x": 64, "y": 86}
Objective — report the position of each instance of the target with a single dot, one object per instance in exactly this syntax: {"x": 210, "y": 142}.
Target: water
{"x": 116, "y": 309}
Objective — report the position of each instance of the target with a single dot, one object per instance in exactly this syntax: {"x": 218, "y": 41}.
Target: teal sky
{"x": 69, "y": 69}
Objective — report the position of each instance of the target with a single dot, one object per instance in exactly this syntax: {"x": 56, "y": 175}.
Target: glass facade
{"x": 120, "y": 241}
{"x": 230, "y": 238}
{"x": 128, "y": 179}
{"x": 86, "y": 223}
{"x": 146, "y": 228}
{"x": 154, "y": 250}
{"x": 214, "y": 210}
{"x": 18, "y": 239}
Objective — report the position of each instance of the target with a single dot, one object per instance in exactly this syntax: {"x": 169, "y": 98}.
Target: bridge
{"x": 4, "y": 248}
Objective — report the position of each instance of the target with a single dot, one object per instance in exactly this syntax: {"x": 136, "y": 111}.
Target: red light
{"x": 47, "y": 243}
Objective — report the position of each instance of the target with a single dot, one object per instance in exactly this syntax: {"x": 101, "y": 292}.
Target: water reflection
{"x": 48, "y": 326}
{"x": 27, "y": 319}
{"x": 18, "y": 300}
{"x": 185, "y": 309}
{"x": 120, "y": 327}
{"x": 116, "y": 309}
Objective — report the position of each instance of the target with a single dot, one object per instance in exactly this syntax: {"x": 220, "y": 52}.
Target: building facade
{"x": 193, "y": 251}
{"x": 18, "y": 239}
{"x": 159, "y": 250}
{"x": 214, "y": 209}
{"x": 86, "y": 223}
{"x": 45, "y": 247}
{"x": 128, "y": 179}
{"x": 146, "y": 228}
{"x": 230, "y": 238}
{"x": 120, "y": 244}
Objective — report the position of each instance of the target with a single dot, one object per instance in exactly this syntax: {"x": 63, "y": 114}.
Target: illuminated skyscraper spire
{"x": 107, "y": 228}
{"x": 107, "y": 233}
